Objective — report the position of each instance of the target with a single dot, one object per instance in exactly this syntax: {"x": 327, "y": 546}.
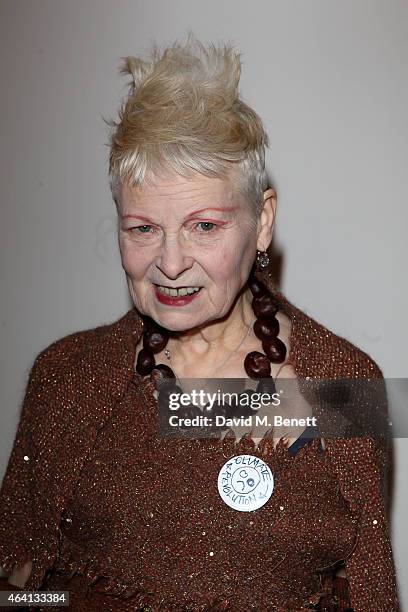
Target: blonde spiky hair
{"x": 183, "y": 113}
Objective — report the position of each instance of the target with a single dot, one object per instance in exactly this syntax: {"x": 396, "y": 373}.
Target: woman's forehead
{"x": 197, "y": 190}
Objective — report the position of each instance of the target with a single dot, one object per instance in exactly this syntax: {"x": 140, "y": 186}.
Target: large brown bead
{"x": 256, "y": 286}
{"x": 224, "y": 409}
{"x": 188, "y": 412}
{"x": 257, "y": 365}
{"x": 266, "y": 385}
{"x": 164, "y": 396}
{"x": 266, "y": 327}
{"x": 163, "y": 410}
{"x": 161, "y": 374}
{"x": 217, "y": 409}
{"x": 264, "y": 306}
{"x": 155, "y": 340}
{"x": 275, "y": 349}
{"x": 145, "y": 362}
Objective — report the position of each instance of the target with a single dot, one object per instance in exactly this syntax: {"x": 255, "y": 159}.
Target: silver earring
{"x": 263, "y": 259}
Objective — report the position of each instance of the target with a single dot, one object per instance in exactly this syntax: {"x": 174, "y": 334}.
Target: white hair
{"x": 183, "y": 113}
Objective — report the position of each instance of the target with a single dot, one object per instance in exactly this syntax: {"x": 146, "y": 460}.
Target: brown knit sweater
{"x": 92, "y": 493}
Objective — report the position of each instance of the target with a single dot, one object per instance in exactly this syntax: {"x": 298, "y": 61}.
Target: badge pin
{"x": 245, "y": 483}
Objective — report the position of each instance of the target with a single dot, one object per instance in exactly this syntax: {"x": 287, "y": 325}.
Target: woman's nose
{"x": 173, "y": 259}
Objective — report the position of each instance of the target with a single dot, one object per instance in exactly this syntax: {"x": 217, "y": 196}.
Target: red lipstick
{"x": 169, "y": 300}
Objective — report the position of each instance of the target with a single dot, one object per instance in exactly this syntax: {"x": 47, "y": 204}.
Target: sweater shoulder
{"x": 64, "y": 352}
{"x": 319, "y": 351}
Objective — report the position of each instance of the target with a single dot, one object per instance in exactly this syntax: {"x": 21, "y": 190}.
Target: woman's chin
{"x": 175, "y": 322}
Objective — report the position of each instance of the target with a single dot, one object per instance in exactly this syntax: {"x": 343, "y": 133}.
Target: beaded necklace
{"x": 257, "y": 365}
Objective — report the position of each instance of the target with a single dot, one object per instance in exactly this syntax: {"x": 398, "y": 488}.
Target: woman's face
{"x": 186, "y": 232}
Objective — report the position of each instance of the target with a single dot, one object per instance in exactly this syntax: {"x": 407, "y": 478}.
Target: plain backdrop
{"x": 328, "y": 78}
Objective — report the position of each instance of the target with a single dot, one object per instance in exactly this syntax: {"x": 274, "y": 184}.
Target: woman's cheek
{"x": 133, "y": 261}
{"x": 228, "y": 261}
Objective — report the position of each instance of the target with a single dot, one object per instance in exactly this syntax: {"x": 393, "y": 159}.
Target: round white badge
{"x": 245, "y": 483}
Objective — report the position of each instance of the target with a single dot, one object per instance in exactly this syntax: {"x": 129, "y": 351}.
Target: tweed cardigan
{"x": 72, "y": 389}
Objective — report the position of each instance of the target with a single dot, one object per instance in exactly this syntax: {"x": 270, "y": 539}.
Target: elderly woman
{"x": 97, "y": 500}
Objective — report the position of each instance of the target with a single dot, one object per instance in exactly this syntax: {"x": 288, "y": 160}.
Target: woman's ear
{"x": 266, "y": 219}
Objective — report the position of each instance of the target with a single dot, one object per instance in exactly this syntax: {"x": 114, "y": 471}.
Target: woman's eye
{"x": 203, "y": 227}
{"x": 206, "y": 223}
{"x": 142, "y": 229}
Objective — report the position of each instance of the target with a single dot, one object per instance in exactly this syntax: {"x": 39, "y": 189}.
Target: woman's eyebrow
{"x": 142, "y": 217}
{"x": 218, "y": 208}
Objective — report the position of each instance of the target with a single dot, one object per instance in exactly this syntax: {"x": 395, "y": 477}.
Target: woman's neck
{"x": 210, "y": 341}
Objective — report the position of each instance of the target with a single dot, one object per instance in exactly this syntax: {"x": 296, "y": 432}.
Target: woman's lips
{"x": 169, "y": 300}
